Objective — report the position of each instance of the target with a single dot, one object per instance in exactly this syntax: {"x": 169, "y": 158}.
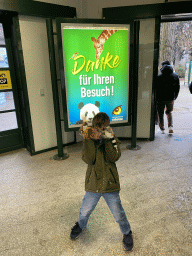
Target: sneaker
{"x": 75, "y": 231}
{"x": 170, "y": 129}
{"x": 128, "y": 241}
{"x": 161, "y": 131}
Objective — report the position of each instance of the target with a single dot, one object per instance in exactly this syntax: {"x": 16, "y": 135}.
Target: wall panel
{"x": 36, "y": 61}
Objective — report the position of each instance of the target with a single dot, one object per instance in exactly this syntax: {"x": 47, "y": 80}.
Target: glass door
{"x": 10, "y": 136}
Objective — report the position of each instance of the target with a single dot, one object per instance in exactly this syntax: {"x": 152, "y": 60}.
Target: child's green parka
{"x": 102, "y": 175}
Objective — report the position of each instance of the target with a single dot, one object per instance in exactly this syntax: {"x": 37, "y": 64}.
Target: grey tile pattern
{"x": 40, "y": 200}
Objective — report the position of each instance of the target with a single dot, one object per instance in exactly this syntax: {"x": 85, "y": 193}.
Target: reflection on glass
{"x": 8, "y": 121}
{"x": 2, "y": 39}
{"x": 3, "y": 58}
{"x": 6, "y": 101}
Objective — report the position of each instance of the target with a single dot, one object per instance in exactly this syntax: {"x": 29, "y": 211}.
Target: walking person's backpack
{"x": 190, "y": 87}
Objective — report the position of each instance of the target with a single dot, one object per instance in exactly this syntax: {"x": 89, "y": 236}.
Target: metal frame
{"x": 131, "y": 57}
{"x": 61, "y": 155}
{"x": 155, "y": 72}
{"x": 136, "y": 30}
{"x": 147, "y": 11}
{"x": 11, "y": 137}
{"x": 27, "y": 128}
{"x": 35, "y": 8}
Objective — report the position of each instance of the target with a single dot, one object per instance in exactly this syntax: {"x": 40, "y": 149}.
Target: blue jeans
{"x": 113, "y": 201}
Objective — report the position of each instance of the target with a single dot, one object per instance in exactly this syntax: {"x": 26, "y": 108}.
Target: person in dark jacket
{"x": 100, "y": 151}
{"x": 167, "y": 89}
{"x": 190, "y": 87}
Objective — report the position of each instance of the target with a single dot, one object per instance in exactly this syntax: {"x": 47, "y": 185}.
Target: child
{"x": 102, "y": 178}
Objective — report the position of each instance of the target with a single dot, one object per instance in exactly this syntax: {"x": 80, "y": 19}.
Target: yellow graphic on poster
{"x": 5, "y": 80}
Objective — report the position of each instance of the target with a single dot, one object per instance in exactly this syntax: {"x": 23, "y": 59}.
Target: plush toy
{"x": 87, "y": 132}
{"x": 87, "y": 113}
{"x": 109, "y": 134}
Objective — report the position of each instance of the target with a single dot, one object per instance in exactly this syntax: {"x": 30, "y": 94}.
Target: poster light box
{"x": 94, "y": 69}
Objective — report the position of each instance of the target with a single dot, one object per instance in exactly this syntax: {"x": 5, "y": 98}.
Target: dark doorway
{"x": 10, "y": 129}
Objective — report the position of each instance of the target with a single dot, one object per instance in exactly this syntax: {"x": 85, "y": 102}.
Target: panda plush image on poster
{"x": 87, "y": 112}
{"x": 96, "y": 65}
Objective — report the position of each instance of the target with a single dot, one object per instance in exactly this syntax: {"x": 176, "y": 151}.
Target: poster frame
{"x": 92, "y": 22}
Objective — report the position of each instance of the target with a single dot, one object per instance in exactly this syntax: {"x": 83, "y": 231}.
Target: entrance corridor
{"x": 182, "y": 113}
{"x": 40, "y": 199}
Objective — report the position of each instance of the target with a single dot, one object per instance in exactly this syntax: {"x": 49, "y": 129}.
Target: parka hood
{"x": 166, "y": 69}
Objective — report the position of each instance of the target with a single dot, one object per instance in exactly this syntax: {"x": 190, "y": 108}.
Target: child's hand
{"x": 82, "y": 127}
{"x": 85, "y": 131}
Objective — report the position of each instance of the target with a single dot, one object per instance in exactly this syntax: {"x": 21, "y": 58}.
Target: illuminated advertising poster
{"x": 96, "y": 64}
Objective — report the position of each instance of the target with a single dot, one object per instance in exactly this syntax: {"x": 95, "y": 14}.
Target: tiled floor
{"x": 40, "y": 200}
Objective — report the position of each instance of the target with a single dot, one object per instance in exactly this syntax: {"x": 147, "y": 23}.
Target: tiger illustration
{"x": 99, "y": 42}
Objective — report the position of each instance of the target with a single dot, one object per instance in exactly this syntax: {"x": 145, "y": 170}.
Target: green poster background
{"x": 113, "y": 92}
